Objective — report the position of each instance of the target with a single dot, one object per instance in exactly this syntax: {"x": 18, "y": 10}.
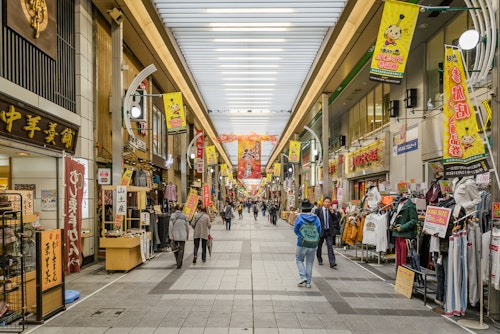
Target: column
{"x": 325, "y": 139}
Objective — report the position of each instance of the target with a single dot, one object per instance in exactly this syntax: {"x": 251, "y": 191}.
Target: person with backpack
{"x": 228, "y": 215}
{"x": 307, "y": 227}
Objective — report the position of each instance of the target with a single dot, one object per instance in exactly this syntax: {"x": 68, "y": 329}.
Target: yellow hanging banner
{"x": 277, "y": 169}
{"x": 211, "y": 155}
{"x": 269, "y": 177}
{"x": 463, "y": 148}
{"x": 230, "y": 176}
{"x": 174, "y": 113}
{"x": 126, "y": 177}
{"x": 294, "y": 151}
{"x": 223, "y": 169}
{"x": 393, "y": 41}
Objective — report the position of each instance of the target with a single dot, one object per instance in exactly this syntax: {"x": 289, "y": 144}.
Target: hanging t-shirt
{"x": 375, "y": 231}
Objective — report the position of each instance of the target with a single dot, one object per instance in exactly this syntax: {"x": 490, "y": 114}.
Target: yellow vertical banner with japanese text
{"x": 294, "y": 151}
{"x": 393, "y": 41}
{"x": 174, "y": 113}
{"x": 277, "y": 169}
{"x": 191, "y": 204}
{"x": 223, "y": 169}
{"x": 463, "y": 149}
{"x": 211, "y": 155}
{"x": 269, "y": 177}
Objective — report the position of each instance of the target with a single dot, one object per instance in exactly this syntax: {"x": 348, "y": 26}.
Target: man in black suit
{"x": 329, "y": 229}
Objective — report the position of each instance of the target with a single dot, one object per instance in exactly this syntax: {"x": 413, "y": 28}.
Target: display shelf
{"x": 122, "y": 253}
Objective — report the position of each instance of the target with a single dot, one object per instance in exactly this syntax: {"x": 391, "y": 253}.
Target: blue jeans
{"x": 441, "y": 270}
{"x": 307, "y": 254}
{"x": 228, "y": 223}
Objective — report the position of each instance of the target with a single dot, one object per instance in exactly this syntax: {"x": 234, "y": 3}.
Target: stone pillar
{"x": 115, "y": 105}
{"x": 325, "y": 139}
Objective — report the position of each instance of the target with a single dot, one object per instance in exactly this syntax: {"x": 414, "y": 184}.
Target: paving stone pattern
{"x": 249, "y": 285}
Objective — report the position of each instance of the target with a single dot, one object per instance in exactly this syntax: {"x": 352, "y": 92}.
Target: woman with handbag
{"x": 201, "y": 225}
{"x": 178, "y": 231}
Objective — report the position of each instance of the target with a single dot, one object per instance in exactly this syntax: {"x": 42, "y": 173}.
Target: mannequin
{"x": 466, "y": 193}
{"x": 434, "y": 193}
{"x": 404, "y": 227}
{"x": 372, "y": 198}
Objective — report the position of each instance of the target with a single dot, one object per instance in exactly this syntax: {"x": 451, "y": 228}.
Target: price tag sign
{"x": 495, "y": 210}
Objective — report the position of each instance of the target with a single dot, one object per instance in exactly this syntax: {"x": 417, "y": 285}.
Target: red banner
{"x": 73, "y": 196}
{"x": 206, "y": 195}
{"x": 249, "y": 159}
{"x": 200, "y": 142}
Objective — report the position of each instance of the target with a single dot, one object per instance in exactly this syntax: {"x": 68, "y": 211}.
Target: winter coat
{"x": 303, "y": 218}
{"x": 466, "y": 194}
{"x": 201, "y": 225}
{"x": 178, "y": 228}
{"x": 407, "y": 219}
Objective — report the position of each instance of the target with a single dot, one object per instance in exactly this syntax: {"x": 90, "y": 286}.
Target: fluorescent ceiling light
{"x": 250, "y": 98}
{"x": 249, "y": 90}
{"x": 251, "y": 94}
{"x": 249, "y": 50}
{"x": 250, "y": 29}
{"x": 249, "y": 72}
{"x": 249, "y": 58}
{"x": 249, "y": 10}
{"x": 248, "y": 66}
{"x": 249, "y": 84}
{"x": 249, "y": 79}
{"x": 249, "y": 24}
{"x": 249, "y": 40}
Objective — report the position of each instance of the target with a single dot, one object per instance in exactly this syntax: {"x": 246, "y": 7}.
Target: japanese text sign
{"x": 436, "y": 220}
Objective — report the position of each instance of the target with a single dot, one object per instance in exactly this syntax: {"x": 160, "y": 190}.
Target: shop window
{"x": 435, "y": 56}
{"x": 159, "y": 133}
{"x": 378, "y": 118}
{"x": 370, "y": 113}
{"x": 434, "y": 68}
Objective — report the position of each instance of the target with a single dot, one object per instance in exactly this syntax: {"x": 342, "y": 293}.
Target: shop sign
{"x": 495, "y": 210}
{"x": 369, "y": 156}
{"x": 200, "y": 142}
{"x": 463, "y": 149}
{"x": 104, "y": 176}
{"x": 50, "y": 248}
{"x": 436, "y": 220}
{"x": 191, "y": 204}
{"x": 333, "y": 168}
{"x": 404, "y": 281}
{"x": 206, "y": 195}
{"x": 138, "y": 144}
{"x": 406, "y": 140}
{"x": 174, "y": 113}
{"x": 73, "y": 196}
{"x": 29, "y": 125}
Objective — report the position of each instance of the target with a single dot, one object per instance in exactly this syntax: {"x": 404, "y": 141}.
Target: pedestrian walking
{"x": 255, "y": 211}
{"x": 307, "y": 227}
{"x": 178, "y": 231}
{"x": 330, "y": 227}
{"x": 201, "y": 225}
{"x": 273, "y": 213}
{"x": 228, "y": 215}
{"x": 240, "y": 210}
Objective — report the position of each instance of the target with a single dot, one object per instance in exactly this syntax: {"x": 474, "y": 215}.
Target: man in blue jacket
{"x": 305, "y": 253}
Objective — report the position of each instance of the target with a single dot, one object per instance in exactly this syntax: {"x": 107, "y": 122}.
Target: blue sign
{"x": 408, "y": 146}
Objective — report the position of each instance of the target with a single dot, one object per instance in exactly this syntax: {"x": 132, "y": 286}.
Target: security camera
{"x": 116, "y": 15}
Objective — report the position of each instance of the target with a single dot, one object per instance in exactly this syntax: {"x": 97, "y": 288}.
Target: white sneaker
{"x": 302, "y": 282}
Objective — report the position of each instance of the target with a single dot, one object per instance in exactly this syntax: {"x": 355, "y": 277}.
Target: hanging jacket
{"x": 406, "y": 219}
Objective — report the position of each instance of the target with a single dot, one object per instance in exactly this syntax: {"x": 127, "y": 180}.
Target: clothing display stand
{"x": 473, "y": 323}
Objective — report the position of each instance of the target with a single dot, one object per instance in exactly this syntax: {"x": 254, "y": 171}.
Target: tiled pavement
{"x": 247, "y": 286}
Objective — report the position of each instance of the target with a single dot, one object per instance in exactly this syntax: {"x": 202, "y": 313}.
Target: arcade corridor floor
{"x": 248, "y": 285}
